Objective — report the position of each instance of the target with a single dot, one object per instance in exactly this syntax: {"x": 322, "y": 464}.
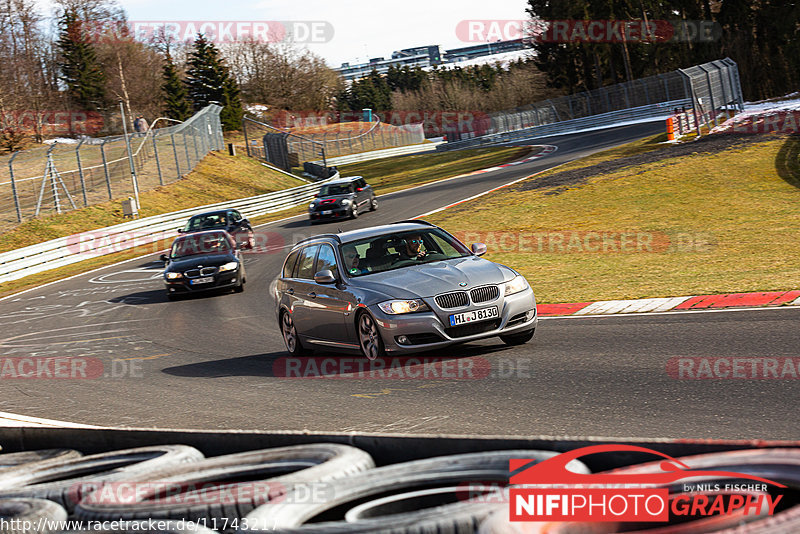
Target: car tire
{"x": 66, "y": 483}
{"x": 518, "y": 339}
{"x": 29, "y": 514}
{"x": 369, "y": 336}
{"x": 292, "y": 514}
{"x": 291, "y": 339}
{"x": 52, "y": 456}
{"x": 354, "y": 211}
{"x": 239, "y": 288}
{"x": 373, "y": 205}
{"x": 228, "y": 486}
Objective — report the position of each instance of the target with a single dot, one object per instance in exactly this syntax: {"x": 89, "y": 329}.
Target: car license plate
{"x": 204, "y": 280}
{"x": 483, "y": 314}
{"x": 327, "y": 212}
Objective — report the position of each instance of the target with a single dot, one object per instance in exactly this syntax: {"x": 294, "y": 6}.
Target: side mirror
{"x": 163, "y": 258}
{"x": 479, "y": 249}
{"x": 324, "y": 277}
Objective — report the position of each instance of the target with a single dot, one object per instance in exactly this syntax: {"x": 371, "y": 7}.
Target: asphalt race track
{"x": 211, "y": 362}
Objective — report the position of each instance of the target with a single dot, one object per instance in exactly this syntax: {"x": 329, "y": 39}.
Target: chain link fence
{"x": 713, "y": 85}
{"x": 64, "y": 176}
{"x": 335, "y": 140}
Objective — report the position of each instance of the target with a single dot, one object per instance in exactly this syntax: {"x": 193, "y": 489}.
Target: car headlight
{"x": 345, "y": 202}
{"x": 395, "y": 307}
{"x": 230, "y": 266}
{"x": 312, "y": 206}
{"x": 173, "y": 276}
{"x": 515, "y": 285}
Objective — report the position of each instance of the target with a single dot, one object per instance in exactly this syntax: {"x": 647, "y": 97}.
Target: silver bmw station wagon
{"x": 399, "y": 288}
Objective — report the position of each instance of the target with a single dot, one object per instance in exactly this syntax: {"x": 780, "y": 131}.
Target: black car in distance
{"x": 202, "y": 261}
{"x": 229, "y": 220}
{"x": 342, "y": 198}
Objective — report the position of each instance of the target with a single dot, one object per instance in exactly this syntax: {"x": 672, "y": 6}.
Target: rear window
{"x": 206, "y": 222}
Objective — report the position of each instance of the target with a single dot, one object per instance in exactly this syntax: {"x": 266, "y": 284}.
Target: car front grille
{"x": 484, "y": 294}
{"x": 471, "y": 329}
{"x": 195, "y": 273}
{"x": 452, "y": 300}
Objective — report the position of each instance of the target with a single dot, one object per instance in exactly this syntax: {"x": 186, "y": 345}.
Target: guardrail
{"x": 64, "y": 251}
{"x": 378, "y": 154}
{"x": 652, "y": 111}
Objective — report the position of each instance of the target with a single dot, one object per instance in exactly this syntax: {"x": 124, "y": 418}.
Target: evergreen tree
{"x": 209, "y": 80}
{"x": 78, "y": 65}
{"x": 176, "y": 105}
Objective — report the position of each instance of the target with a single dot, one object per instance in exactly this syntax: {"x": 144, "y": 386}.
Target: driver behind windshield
{"x": 412, "y": 249}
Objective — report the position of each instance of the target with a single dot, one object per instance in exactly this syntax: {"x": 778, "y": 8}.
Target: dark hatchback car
{"x": 342, "y": 198}
{"x": 229, "y": 220}
{"x": 203, "y": 261}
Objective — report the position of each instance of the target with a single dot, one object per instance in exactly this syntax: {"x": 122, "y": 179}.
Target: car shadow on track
{"x": 155, "y": 296}
{"x": 462, "y": 361}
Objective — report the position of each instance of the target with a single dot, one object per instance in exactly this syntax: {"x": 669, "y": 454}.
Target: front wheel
{"x": 290, "y": 337}
{"x": 354, "y": 211}
{"x": 518, "y": 339}
{"x": 374, "y": 204}
{"x": 369, "y": 337}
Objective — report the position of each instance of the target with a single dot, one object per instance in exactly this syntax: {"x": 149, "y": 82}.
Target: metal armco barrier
{"x": 63, "y": 251}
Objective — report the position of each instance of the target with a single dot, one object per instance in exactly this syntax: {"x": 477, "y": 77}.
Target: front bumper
{"x": 427, "y": 330}
{"x": 221, "y": 280}
{"x": 336, "y": 213}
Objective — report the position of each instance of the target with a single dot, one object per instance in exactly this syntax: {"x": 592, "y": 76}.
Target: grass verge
{"x": 399, "y": 172}
{"x": 696, "y": 224}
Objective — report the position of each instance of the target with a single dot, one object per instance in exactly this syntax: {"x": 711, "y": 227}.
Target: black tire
{"x": 52, "y": 456}
{"x": 373, "y": 205}
{"x": 518, "y": 339}
{"x": 369, "y": 336}
{"x": 30, "y": 513}
{"x": 291, "y": 339}
{"x": 291, "y": 513}
{"x": 67, "y": 482}
{"x": 208, "y": 497}
{"x": 239, "y": 288}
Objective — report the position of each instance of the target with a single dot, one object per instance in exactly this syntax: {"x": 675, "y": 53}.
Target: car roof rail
{"x": 420, "y": 221}
{"x": 319, "y": 236}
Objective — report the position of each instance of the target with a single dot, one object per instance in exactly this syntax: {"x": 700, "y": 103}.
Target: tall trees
{"x": 209, "y": 80}
{"x": 80, "y": 70}
{"x": 762, "y": 37}
{"x": 176, "y": 105}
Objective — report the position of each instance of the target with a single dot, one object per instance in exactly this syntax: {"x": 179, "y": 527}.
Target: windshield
{"x": 395, "y": 251}
{"x": 195, "y": 245}
{"x": 205, "y": 222}
{"x": 335, "y": 189}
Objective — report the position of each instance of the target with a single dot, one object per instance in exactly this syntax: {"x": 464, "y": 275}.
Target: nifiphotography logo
{"x": 551, "y": 492}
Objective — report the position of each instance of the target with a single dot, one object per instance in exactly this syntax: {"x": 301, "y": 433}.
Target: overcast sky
{"x": 362, "y": 29}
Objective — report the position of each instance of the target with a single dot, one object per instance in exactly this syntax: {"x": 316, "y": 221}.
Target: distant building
{"x": 427, "y": 56}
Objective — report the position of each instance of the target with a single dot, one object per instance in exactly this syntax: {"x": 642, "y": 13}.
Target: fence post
{"x": 194, "y": 141}
{"x": 158, "y": 163}
{"x": 105, "y": 167}
{"x": 80, "y": 171}
{"x": 246, "y": 141}
{"x": 14, "y": 186}
{"x": 175, "y": 152}
{"x": 186, "y": 149}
